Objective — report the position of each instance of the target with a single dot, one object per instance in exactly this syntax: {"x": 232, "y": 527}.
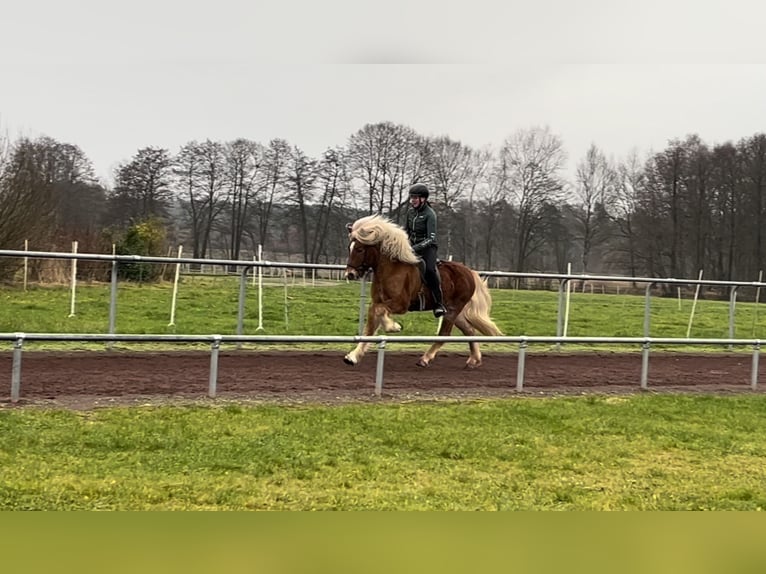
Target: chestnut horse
{"x": 381, "y": 246}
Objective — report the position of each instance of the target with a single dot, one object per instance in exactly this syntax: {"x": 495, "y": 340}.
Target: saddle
{"x": 422, "y": 268}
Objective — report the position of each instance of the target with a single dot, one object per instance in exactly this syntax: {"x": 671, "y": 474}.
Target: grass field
{"x": 209, "y": 306}
{"x": 598, "y": 453}
{"x": 645, "y": 452}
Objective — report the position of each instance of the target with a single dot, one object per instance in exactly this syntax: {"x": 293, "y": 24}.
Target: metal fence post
{"x": 560, "y": 311}
{"x": 754, "y": 372}
{"x": 241, "y": 305}
{"x": 520, "y": 365}
{"x": 214, "y": 349}
{"x": 113, "y": 305}
{"x": 16, "y": 369}
{"x": 362, "y": 297}
{"x": 647, "y": 308}
{"x": 379, "y": 370}
{"x": 732, "y": 307}
{"x": 645, "y": 365}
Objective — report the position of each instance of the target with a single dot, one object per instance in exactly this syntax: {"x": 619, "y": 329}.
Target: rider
{"x": 421, "y": 229}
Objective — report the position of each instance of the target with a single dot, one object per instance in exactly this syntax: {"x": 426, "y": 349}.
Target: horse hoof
{"x": 472, "y": 365}
{"x": 349, "y": 361}
{"x": 422, "y": 363}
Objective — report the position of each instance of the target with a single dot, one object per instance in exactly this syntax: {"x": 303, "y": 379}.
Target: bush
{"x": 146, "y": 238}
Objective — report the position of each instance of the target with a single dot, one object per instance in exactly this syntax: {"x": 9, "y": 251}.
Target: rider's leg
{"x": 433, "y": 280}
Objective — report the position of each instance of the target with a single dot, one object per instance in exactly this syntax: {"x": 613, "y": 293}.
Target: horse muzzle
{"x": 351, "y": 274}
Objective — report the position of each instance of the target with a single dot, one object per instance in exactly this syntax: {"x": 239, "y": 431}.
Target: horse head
{"x": 361, "y": 258}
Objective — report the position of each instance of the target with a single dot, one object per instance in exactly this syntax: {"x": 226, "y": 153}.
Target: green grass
{"x": 209, "y": 306}
{"x": 649, "y": 452}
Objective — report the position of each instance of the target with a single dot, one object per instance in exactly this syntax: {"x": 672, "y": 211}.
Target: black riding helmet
{"x": 419, "y": 190}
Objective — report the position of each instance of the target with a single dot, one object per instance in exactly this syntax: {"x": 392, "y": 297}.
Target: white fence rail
{"x": 382, "y": 342}
{"x": 645, "y": 342}
{"x": 245, "y": 267}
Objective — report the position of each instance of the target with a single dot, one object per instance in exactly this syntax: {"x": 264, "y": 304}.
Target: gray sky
{"x": 112, "y": 77}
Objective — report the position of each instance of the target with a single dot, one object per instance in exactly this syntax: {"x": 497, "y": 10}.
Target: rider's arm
{"x": 430, "y": 233}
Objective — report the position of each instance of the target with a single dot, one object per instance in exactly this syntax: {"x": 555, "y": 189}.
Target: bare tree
{"x": 300, "y": 181}
{"x": 532, "y": 160}
{"x": 664, "y": 175}
{"x": 752, "y": 152}
{"x": 491, "y": 202}
{"x": 450, "y": 167}
{"x": 594, "y": 188}
{"x": 271, "y": 188}
{"x": 387, "y": 158}
{"x": 46, "y": 192}
{"x": 333, "y": 188}
{"x": 727, "y": 209}
{"x": 27, "y": 202}
{"x": 199, "y": 170}
{"x": 142, "y": 187}
{"x": 244, "y": 161}
{"x": 481, "y": 163}
{"x": 622, "y": 211}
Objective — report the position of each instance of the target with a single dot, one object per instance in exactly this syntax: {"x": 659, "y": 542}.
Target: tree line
{"x": 691, "y": 206}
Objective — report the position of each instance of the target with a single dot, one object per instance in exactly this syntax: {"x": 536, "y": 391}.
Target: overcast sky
{"x": 113, "y": 78}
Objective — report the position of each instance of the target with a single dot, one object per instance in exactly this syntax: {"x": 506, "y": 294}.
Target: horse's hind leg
{"x": 474, "y": 359}
{"x": 430, "y": 354}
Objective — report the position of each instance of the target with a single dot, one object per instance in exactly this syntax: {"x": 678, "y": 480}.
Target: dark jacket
{"x": 421, "y": 227}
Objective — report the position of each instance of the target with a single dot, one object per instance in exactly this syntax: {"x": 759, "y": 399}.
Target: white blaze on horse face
{"x": 351, "y": 247}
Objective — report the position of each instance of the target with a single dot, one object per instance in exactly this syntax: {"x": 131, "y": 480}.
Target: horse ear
{"x": 349, "y": 226}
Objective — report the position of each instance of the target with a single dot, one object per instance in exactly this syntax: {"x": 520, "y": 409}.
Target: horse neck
{"x": 387, "y": 267}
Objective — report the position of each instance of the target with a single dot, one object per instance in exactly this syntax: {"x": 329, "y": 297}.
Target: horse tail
{"x": 477, "y": 309}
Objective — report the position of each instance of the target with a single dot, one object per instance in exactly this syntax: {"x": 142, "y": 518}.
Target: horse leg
{"x": 474, "y": 359}
{"x": 430, "y": 354}
{"x": 370, "y": 328}
{"x": 388, "y": 324}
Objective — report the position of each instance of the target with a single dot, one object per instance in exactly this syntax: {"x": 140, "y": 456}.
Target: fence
{"x": 382, "y": 344}
{"x": 244, "y": 267}
{"x": 564, "y": 281}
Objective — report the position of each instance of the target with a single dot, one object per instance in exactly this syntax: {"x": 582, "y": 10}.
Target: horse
{"x": 379, "y": 245}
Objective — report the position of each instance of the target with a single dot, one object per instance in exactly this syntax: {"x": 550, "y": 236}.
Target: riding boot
{"x": 435, "y": 285}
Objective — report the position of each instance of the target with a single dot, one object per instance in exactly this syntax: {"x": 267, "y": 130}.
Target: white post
{"x": 175, "y": 289}
{"x": 260, "y": 289}
{"x": 284, "y": 273}
{"x": 679, "y": 298}
{"x": 26, "y": 263}
{"x": 74, "y": 281}
{"x": 694, "y": 306}
{"x": 757, "y": 300}
{"x": 566, "y": 306}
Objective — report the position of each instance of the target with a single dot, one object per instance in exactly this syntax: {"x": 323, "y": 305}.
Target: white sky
{"x": 113, "y": 78}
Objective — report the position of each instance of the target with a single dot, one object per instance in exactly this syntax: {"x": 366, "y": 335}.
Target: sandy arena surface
{"x": 84, "y": 380}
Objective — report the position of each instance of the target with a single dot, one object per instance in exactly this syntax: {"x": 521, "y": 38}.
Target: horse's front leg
{"x": 370, "y": 328}
{"x": 385, "y": 320}
{"x": 444, "y": 330}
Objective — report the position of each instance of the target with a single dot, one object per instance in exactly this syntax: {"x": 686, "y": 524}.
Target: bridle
{"x": 364, "y": 266}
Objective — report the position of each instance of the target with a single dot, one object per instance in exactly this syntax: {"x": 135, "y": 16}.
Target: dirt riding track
{"x": 87, "y": 379}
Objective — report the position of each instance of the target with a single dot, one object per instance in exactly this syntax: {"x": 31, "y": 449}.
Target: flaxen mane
{"x": 377, "y": 230}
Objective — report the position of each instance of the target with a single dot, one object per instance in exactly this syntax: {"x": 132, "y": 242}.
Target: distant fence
{"x": 382, "y": 342}
{"x": 563, "y": 280}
